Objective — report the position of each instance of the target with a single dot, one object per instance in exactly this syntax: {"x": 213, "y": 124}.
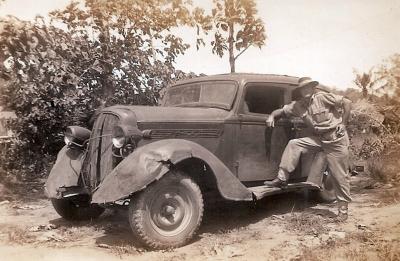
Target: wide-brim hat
{"x": 307, "y": 82}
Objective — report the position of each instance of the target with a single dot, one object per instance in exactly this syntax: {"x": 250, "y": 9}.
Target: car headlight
{"x": 122, "y": 135}
{"x": 119, "y": 142}
{"x": 67, "y": 140}
{"x": 76, "y": 136}
{"x": 119, "y": 136}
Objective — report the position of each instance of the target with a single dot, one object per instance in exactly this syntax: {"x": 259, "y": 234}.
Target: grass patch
{"x": 386, "y": 167}
{"x": 359, "y": 246}
{"x": 376, "y": 170}
{"x": 307, "y": 223}
{"x": 18, "y": 236}
{"x": 389, "y": 196}
{"x": 124, "y": 250}
{"x": 383, "y": 170}
{"x": 389, "y": 251}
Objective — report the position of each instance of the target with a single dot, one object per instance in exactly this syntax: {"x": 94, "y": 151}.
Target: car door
{"x": 259, "y": 147}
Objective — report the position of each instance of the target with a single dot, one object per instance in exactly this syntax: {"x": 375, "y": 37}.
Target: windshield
{"x": 202, "y": 94}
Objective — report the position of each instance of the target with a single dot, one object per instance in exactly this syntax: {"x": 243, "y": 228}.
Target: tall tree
{"x": 236, "y": 28}
{"x": 369, "y": 82}
{"x": 390, "y": 72}
{"x": 135, "y": 48}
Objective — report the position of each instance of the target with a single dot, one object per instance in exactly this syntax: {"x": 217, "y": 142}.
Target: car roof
{"x": 244, "y": 78}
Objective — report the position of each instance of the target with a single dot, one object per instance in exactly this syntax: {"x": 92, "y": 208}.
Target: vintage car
{"x": 208, "y": 136}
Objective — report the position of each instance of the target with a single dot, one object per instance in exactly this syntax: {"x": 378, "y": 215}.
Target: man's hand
{"x": 270, "y": 121}
{"x": 271, "y": 118}
{"x": 340, "y": 131}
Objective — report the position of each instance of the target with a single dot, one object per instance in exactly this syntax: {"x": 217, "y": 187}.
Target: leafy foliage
{"x": 382, "y": 79}
{"x": 369, "y": 82}
{"x": 381, "y": 85}
{"x": 89, "y": 55}
{"x": 390, "y": 71}
{"x": 236, "y": 28}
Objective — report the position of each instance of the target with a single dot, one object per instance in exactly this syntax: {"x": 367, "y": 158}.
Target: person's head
{"x": 306, "y": 88}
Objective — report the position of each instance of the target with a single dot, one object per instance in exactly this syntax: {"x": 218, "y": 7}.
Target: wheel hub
{"x": 170, "y": 213}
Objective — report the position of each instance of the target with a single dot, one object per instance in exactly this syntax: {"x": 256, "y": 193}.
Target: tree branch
{"x": 237, "y": 56}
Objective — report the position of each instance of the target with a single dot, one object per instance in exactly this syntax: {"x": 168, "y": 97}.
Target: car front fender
{"x": 152, "y": 161}
{"x": 65, "y": 172}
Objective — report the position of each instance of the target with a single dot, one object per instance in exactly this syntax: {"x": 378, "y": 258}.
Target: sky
{"x": 323, "y": 39}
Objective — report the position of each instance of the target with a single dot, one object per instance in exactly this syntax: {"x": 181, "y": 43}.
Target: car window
{"x": 204, "y": 94}
{"x": 263, "y": 99}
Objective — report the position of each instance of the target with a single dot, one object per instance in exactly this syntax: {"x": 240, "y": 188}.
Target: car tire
{"x": 168, "y": 213}
{"x": 70, "y": 211}
{"x": 327, "y": 193}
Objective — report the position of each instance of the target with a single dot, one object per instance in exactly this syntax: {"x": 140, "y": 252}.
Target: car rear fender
{"x": 65, "y": 172}
{"x": 152, "y": 161}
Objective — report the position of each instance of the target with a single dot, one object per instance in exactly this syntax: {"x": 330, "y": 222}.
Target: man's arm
{"x": 338, "y": 101}
{"x": 275, "y": 114}
{"x": 346, "y": 111}
{"x": 307, "y": 121}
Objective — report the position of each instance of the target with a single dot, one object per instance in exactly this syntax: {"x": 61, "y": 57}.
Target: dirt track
{"x": 282, "y": 227}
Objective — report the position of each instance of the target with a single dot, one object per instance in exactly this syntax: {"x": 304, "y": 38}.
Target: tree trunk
{"x": 230, "y": 47}
{"x": 365, "y": 92}
{"x": 108, "y": 87}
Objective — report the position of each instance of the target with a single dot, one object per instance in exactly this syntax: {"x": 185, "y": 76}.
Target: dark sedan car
{"x": 208, "y": 136}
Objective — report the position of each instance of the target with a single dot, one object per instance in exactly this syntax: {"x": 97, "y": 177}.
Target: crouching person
{"x": 326, "y": 114}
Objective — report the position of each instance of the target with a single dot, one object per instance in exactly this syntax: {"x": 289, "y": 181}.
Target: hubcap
{"x": 171, "y": 211}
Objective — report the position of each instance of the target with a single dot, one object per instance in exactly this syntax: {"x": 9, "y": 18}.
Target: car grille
{"x": 100, "y": 159}
{"x": 185, "y": 133}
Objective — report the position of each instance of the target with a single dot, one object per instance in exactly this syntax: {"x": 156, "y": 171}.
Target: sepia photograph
{"x": 199, "y": 130}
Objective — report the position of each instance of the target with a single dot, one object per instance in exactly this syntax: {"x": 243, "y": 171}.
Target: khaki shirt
{"x": 324, "y": 108}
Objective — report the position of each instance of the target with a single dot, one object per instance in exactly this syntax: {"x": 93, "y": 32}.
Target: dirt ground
{"x": 282, "y": 227}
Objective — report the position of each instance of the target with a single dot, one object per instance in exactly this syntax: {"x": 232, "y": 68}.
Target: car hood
{"x": 174, "y": 114}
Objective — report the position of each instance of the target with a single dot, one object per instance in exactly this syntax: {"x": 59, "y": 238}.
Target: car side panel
{"x": 65, "y": 172}
{"x": 217, "y": 137}
{"x": 150, "y": 162}
{"x": 253, "y": 159}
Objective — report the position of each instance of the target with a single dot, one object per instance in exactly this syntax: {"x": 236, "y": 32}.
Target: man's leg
{"x": 337, "y": 154}
{"x": 291, "y": 156}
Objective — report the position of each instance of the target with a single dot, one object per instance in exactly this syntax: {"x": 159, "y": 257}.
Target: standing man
{"x": 326, "y": 114}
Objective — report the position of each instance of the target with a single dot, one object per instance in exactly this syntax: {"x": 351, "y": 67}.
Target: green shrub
{"x": 58, "y": 77}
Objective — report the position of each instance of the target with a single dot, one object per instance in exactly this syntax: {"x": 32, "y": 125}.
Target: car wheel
{"x": 327, "y": 194}
{"x": 167, "y": 213}
{"x": 71, "y": 211}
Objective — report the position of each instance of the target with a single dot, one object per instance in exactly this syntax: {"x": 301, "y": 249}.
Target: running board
{"x": 260, "y": 192}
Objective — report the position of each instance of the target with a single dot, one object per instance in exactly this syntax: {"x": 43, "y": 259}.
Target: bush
{"x": 58, "y": 77}
{"x": 374, "y": 143}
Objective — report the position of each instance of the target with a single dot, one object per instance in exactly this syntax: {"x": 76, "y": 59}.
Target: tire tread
{"x": 69, "y": 212}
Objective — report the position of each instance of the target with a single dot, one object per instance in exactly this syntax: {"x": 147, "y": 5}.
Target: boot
{"x": 280, "y": 181}
{"x": 276, "y": 183}
{"x": 342, "y": 212}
